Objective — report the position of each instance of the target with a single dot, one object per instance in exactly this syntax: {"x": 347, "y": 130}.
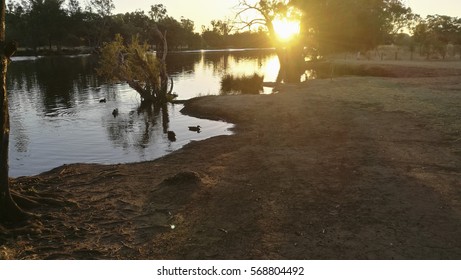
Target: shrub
{"x": 244, "y": 84}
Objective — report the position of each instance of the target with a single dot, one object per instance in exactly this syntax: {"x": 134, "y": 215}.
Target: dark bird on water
{"x": 115, "y": 112}
{"x": 171, "y": 136}
{"x": 102, "y": 100}
{"x": 195, "y": 128}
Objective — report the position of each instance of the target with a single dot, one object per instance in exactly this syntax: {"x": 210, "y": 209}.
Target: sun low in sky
{"x": 286, "y": 29}
{"x": 287, "y": 26}
{"x": 203, "y": 11}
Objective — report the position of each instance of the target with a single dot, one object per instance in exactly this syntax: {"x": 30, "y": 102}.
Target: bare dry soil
{"x": 342, "y": 168}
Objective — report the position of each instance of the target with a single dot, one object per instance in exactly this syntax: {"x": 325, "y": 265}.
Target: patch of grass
{"x": 244, "y": 84}
{"x": 324, "y": 70}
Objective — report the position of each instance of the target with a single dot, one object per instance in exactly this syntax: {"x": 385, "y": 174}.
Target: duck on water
{"x": 195, "y": 128}
{"x": 171, "y": 136}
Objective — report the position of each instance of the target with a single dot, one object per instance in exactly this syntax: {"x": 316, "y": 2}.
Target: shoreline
{"x": 44, "y": 52}
{"x": 348, "y": 168}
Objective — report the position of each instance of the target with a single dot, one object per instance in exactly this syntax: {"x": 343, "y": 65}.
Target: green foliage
{"x": 131, "y": 62}
{"x": 338, "y": 25}
{"x": 42, "y": 21}
{"x": 57, "y": 23}
{"x": 433, "y": 34}
{"x": 327, "y": 25}
{"x": 398, "y": 17}
{"x": 157, "y": 12}
{"x": 103, "y": 8}
{"x": 38, "y": 23}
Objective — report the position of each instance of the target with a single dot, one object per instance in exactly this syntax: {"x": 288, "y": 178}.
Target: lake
{"x": 56, "y": 116}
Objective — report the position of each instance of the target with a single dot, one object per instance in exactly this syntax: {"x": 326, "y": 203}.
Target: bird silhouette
{"x": 115, "y": 112}
{"x": 195, "y": 128}
{"x": 171, "y": 136}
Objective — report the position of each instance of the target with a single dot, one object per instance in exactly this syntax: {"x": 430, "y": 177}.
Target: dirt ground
{"x": 342, "y": 168}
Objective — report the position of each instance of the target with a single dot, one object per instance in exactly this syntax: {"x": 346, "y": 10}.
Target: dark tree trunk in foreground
{"x": 9, "y": 210}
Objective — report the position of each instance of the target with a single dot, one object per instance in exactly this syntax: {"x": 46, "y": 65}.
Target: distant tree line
{"x": 328, "y": 26}
{"x": 58, "y": 24}
{"x": 438, "y": 35}
{"x": 331, "y": 26}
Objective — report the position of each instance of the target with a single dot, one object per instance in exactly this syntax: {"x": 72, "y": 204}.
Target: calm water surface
{"x": 56, "y": 117}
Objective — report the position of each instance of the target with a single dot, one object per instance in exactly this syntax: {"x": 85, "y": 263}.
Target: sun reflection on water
{"x": 57, "y": 117}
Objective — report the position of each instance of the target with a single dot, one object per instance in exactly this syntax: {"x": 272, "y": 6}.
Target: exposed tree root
{"x": 19, "y": 218}
{"x": 31, "y": 202}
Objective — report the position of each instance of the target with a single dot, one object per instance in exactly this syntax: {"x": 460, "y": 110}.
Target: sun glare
{"x": 286, "y": 29}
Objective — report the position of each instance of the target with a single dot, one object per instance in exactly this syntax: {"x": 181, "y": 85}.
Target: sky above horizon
{"x": 202, "y": 12}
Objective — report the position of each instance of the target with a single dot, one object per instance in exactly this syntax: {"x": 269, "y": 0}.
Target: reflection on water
{"x": 56, "y": 116}
{"x": 200, "y": 73}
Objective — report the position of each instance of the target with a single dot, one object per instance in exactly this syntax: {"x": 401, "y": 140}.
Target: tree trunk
{"x": 9, "y": 210}
{"x": 156, "y": 90}
{"x": 161, "y": 55}
{"x": 145, "y": 95}
{"x": 292, "y": 64}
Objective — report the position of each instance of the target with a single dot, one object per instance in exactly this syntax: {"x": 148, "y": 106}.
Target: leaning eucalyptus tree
{"x": 135, "y": 64}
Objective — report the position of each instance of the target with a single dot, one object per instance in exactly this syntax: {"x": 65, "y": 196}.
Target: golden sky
{"x": 203, "y": 11}
{"x": 432, "y": 7}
